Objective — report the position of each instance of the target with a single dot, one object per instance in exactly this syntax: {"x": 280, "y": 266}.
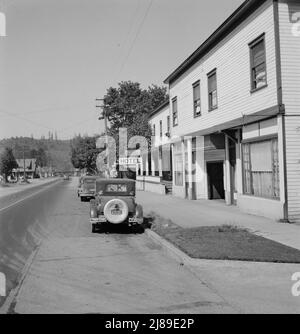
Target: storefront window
{"x": 261, "y": 169}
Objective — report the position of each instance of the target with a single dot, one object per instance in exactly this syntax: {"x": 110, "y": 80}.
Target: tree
{"x": 129, "y": 103}
{"x": 7, "y": 162}
{"x": 84, "y": 153}
{"x": 129, "y": 106}
{"x": 33, "y": 153}
{"x": 41, "y": 158}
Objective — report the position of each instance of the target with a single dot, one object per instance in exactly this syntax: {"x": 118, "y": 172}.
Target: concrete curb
{"x": 172, "y": 250}
{"x": 9, "y": 304}
{"x": 185, "y": 259}
{"x": 190, "y": 263}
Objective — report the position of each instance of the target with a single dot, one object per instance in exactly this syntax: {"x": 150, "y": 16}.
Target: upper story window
{"x": 160, "y": 129}
{"x": 153, "y": 131}
{"x": 258, "y": 63}
{"x": 197, "y": 99}
{"x": 175, "y": 111}
{"x": 168, "y": 125}
{"x": 212, "y": 90}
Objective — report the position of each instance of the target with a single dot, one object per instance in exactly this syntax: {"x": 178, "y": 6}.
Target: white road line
{"x": 25, "y": 198}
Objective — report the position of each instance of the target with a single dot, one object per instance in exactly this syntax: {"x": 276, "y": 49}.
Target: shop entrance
{"x": 215, "y": 174}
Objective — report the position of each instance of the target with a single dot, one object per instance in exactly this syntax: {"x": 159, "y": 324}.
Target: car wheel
{"x": 94, "y": 228}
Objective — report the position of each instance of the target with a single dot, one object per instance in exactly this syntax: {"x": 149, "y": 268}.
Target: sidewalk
{"x": 190, "y": 214}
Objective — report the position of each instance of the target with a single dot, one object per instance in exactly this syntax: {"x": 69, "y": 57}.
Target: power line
{"x": 61, "y": 131}
{"x": 126, "y": 40}
{"x": 25, "y": 119}
{"x": 139, "y": 29}
{"x": 51, "y": 108}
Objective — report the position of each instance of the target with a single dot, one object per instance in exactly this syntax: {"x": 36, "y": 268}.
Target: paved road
{"x": 75, "y": 271}
{"x": 23, "y": 223}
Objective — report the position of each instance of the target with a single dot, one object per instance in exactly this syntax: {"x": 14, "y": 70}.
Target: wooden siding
{"x": 155, "y": 120}
{"x": 290, "y": 59}
{"x": 231, "y": 58}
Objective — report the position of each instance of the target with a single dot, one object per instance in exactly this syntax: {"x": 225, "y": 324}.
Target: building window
{"x": 261, "y": 169}
{"x": 160, "y": 129}
{"x": 212, "y": 90}
{"x": 258, "y": 63}
{"x": 197, "y": 99}
{"x": 175, "y": 111}
{"x": 178, "y": 168}
{"x": 168, "y": 125}
{"x": 153, "y": 131}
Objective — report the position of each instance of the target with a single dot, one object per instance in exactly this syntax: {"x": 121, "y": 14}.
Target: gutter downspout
{"x": 281, "y": 105}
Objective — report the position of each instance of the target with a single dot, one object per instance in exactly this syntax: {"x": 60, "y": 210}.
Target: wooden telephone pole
{"x": 103, "y": 116}
{"x": 24, "y": 167}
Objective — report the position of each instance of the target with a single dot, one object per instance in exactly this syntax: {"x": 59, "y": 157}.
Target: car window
{"x": 89, "y": 181}
{"x": 116, "y": 188}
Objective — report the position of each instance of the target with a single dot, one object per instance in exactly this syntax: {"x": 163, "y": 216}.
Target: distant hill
{"x": 57, "y": 151}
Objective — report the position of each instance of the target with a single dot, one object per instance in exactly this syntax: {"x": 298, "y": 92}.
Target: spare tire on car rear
{"x": 116, "y": 211}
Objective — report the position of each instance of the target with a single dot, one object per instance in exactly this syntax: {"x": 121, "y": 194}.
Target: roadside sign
{"x": 130, "y": 161}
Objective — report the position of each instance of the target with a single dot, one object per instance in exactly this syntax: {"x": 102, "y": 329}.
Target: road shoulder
{"x": 112, "y": 274}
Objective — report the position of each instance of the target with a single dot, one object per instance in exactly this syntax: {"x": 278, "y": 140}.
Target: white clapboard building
{"x": 234, "y": 115}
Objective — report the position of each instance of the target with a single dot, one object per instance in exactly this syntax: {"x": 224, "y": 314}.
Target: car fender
{"x": 139, "y": 211}
{"x": 93, "y": 209}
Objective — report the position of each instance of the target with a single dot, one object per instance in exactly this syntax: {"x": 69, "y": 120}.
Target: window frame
{"x": 174, "y": 100}
{"x": 169, "y": 125}
{"x": 259, "y": 39}
{"x": 161, "y": 128}
{"x": 209, "y": 75}
{"x": 249, "y": 142}
{"x": 195, "y": 85}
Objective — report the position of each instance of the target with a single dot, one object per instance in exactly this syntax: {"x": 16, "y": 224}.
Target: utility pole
{"x": 24, "y": 163}
{"x": 103, "y": 116}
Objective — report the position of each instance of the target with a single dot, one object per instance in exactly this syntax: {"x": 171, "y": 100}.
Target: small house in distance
{"x": 30, "y": 168}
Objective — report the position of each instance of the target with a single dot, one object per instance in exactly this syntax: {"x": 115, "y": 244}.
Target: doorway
{"x": 215, "y": 174}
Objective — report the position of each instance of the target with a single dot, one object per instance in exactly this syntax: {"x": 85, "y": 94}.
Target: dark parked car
{"x": 115, "y": 204}
{"x": 87, "y": 188}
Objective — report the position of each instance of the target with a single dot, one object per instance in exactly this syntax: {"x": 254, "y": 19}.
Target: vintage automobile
{"x": 87, "y": 188}
{"x": 115, "y": 204}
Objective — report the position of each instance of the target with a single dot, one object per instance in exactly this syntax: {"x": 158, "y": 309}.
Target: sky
{"x": 58, "y": 56}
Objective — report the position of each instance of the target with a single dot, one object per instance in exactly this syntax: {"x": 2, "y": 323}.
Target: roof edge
{"x": 233, "y": 21}
{"x": 161, "y": 107}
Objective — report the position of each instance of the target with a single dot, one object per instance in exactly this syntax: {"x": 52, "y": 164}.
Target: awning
{"x": 236, "y": 123}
